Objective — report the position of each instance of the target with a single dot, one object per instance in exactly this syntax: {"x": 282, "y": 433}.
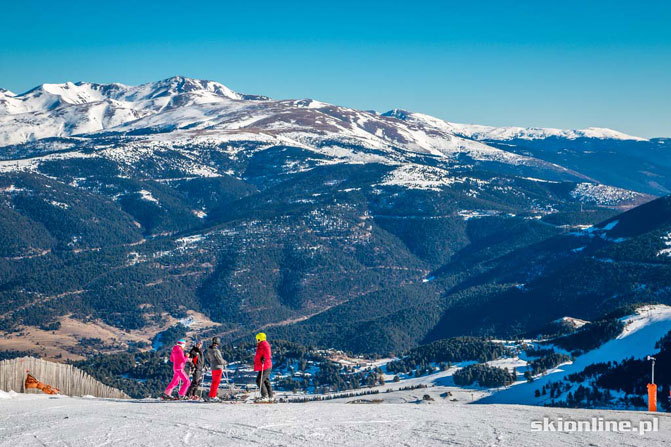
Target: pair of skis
{"x": 231, "y": 389}
{"x": 221, "y": 401}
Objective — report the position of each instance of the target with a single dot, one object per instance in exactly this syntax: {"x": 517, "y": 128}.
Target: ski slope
{"x": 390, "y": 418}
{"x": 34, "y": 420}
{"x": 642, "y": 330}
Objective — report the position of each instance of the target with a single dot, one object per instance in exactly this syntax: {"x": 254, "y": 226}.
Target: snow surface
{"x": 35, "y": 420}
{"x": 5, "y": 395}
{"x": 570, "y": 321}
{"x": 611, "y": 225}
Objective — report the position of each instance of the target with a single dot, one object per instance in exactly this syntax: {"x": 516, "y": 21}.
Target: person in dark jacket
{"x": 197, "y": 369}
{"x": 216, "y": 361}
{"x": 263, "y": 364}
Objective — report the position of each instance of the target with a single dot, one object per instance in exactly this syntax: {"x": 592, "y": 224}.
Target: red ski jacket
{"x": 263, "y": 359}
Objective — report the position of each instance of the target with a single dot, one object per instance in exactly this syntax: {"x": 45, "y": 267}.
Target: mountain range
{"x": 127, "y": 209}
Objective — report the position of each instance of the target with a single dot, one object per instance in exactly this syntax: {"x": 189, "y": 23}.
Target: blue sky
{"x": 567, "y": 64}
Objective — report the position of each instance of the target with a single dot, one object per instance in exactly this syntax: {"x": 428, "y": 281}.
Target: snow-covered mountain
{"x": 179, "y": 103}
{"x": 230, "y": 190}
{"x": 491, "y": 133}
{"x": 57, "y": 110}
{"x": 152, "y": 96}
{"x": 179, "y": 110}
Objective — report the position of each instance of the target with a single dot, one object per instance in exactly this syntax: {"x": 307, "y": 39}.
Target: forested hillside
{"x": 317, "y": 223}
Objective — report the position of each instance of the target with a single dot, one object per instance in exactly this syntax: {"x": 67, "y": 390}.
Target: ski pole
{"x": 234, "y": 390}
{"x": 224, "y": 373}
{"x": 229, "y": 384}
{"x": 263, "y": 368}
{"x": 200, "y": 386}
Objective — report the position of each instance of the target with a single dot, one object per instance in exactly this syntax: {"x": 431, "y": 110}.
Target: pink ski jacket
{"x": 178, "y": 358}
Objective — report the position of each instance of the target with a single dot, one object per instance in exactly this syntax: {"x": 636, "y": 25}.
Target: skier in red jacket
{"x": 263, "y": 363}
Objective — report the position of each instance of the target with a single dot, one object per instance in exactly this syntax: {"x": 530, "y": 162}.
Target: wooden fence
{"x": 68, "y": 379}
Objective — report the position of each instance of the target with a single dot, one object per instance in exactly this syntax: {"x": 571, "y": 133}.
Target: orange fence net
{"x": 32, "y": 382}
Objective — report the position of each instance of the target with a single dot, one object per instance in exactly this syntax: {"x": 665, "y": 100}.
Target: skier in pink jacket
{"x": 178, "y": 359}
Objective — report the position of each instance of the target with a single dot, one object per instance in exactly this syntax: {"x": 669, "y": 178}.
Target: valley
{"x": 126, "y": 210}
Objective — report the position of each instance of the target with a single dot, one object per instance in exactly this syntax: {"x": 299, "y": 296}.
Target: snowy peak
{"x": 398, "y": 114}
{"x": 67, "y": 109}
{"x": 48, "y": 97}
{"x": 51, "y": 96}
{"x": 6, "y": 101}
{"x": 177, "y": 85}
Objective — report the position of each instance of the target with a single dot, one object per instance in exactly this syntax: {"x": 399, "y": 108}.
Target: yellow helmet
{"x": 260, "y": 337}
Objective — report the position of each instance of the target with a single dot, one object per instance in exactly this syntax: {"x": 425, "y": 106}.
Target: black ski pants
{"x": 196, "y": 382}
{"x": 263, "y": 382}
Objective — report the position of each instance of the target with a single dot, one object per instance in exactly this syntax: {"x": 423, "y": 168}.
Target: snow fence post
{"x": 652, "y": 397}
{"x": 652, "y": 388}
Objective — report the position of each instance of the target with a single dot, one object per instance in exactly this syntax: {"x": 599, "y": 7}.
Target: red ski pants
{"x": 216, "y": 378}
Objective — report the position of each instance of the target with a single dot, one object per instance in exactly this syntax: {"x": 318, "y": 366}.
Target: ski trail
{"x": 37, "y": 438}
{"x": 108, "y": 439}
{"x": 498, "y": 440}
{"x": 186, "y": 439}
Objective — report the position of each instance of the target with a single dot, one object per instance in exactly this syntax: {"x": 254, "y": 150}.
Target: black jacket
{"x": 197, "y": 358}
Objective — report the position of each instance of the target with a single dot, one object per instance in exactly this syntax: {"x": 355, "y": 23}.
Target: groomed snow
{"x": 30, "y": 420}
